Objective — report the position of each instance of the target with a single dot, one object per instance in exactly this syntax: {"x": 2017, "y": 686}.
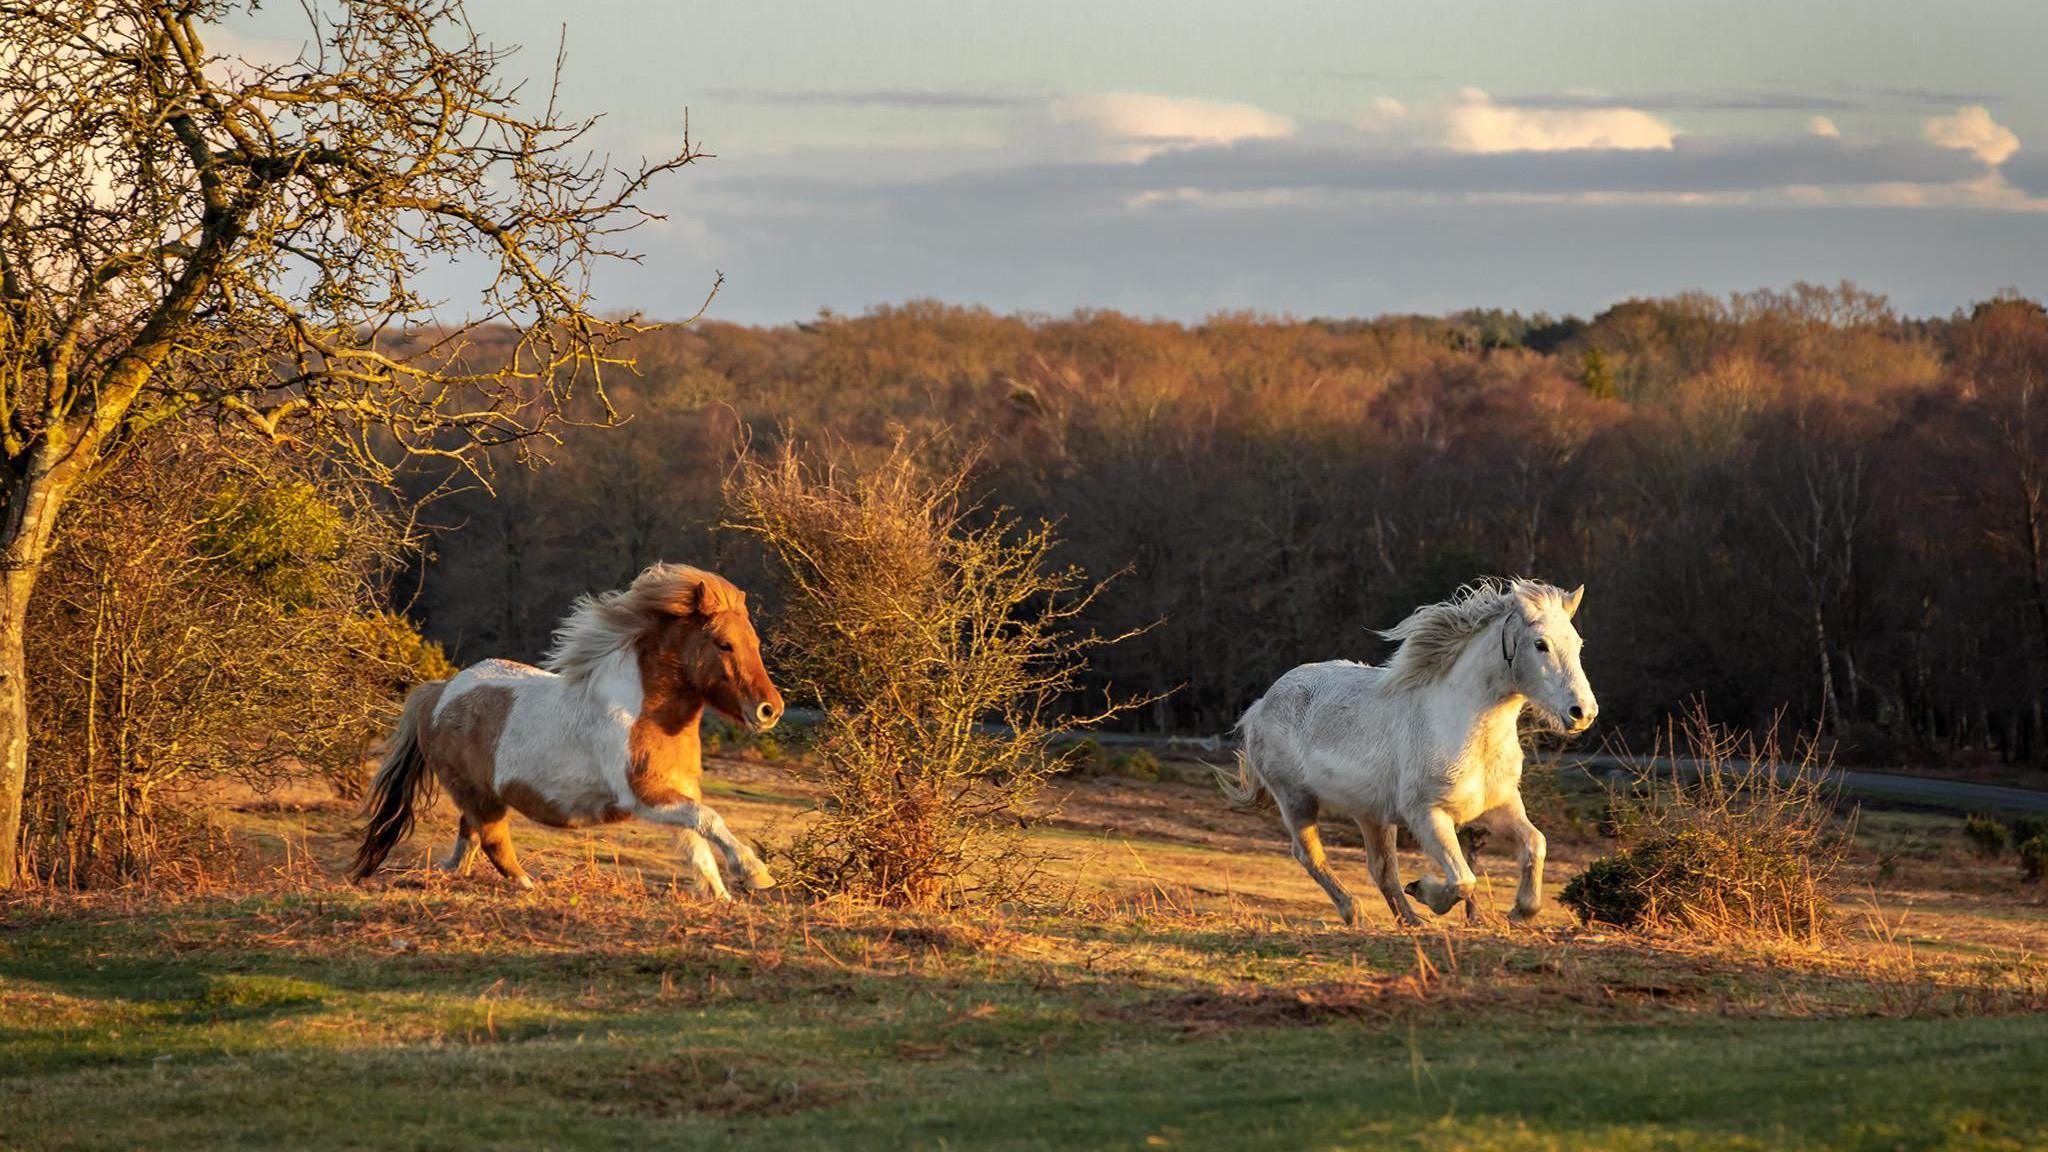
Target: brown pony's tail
{"x": 398, "y": 784}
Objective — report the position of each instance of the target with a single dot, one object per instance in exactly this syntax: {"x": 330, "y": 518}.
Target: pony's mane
{"x": 598, "y": 626}
{"x": 1433, "y": 635}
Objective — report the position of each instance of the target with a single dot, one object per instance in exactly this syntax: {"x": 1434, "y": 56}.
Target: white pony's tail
{"x": 1242, "y": 785}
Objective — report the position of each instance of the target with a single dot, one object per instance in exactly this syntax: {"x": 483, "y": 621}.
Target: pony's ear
{"x": 710, "y": 597}
{"x": 1571, "y": 601}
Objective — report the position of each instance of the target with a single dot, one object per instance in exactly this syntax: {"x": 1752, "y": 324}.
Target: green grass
{"x": 462, "y": 1019}
{"x": 1192, "y": 994}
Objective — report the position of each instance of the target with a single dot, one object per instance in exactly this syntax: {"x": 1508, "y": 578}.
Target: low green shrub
{"x": 1138, "y": 765}
{"x": 2034, "y": 859}
{"x": 1082, "y": 758}
{"x": 1987, "y": 837}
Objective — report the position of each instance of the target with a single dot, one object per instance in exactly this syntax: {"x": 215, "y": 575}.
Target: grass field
{"x": 1187, "y": 986}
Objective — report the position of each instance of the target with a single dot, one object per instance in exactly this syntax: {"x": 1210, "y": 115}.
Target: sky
{"x": 1309, "y": 158}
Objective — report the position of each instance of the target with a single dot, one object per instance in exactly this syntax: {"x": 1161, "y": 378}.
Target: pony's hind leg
{"x": 1382, "y": 857}
{"x": 497, "y": 840}
{"x": 464, "y": 850}
{"x": 1437, "y": 835}
{"x": 1299, "y": 812}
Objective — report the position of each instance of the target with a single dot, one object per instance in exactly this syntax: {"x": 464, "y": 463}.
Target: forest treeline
{"x": 1792, "y": 500}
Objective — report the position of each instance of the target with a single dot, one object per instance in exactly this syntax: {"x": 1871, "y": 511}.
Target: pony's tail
{"x": 398, "y": 784}
{"x": 1242, "y": 785}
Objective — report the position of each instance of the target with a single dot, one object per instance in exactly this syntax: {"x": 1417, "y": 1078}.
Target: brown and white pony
{"x": 607, "y": 731}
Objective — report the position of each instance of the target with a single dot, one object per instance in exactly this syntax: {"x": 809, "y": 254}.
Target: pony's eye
{"x": 723, "y": 646}
{"x": 1543, "y": 645}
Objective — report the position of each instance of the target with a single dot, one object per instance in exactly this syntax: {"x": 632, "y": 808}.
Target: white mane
{"x": 598, "y": 626}
{"x": 1433, "y": 635}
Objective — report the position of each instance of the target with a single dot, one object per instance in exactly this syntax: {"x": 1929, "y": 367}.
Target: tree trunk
{"x": 13, "y": 718}
{"x": 25, "y": 533}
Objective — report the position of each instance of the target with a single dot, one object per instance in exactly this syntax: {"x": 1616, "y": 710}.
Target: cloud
{"x": 1842, "y": 98}
{"x": 1476, "y": 123}
{"x": 1971, "y": 129}
{"x": 930, "y": 98}
{"x": 1930, "y": 97}
{"x": 1132, "y": 126}
{"x": 1720, "y": 100}
{"x": 1822, "y": 126}
{"x": 1337, "y": 258}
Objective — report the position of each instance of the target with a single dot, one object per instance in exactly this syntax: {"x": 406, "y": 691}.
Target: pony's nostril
{"x": 1578, "y": 713}
{"x": 764, "y": 711}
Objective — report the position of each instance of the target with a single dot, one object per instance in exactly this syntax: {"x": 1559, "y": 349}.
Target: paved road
{"x": 1958, "y": 795}
{"x": 1927, "y": 791}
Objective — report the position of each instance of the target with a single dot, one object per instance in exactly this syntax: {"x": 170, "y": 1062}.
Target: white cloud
{"x": 1822, "y": 126}
{"x": 1474, "y": 123}
{"x": 1973, "y": 130}
{"x": 1131, "y": 126}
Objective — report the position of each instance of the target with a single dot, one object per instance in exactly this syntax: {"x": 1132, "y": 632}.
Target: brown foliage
{"x": 1723, "y": 835}
{"x": 943, "y": 648}
{"x": 210, "y": 613}
{"x": 1796, "y": 500}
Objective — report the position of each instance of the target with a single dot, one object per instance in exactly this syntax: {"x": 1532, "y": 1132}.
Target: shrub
{"x": 939, "y": 641}
{"x": 2034, "y": 859}
{"x": 2025, "y": 828}
{"x": 1138, "y": 765}
{"x": 1735, "y": 840}
{"x": 1083, "y": 757}
{"x": 1988, "y": 837}
{"x": 209, "y": 614}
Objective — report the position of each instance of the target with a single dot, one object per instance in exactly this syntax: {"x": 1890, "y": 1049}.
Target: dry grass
{"x": 1727, "y": 836}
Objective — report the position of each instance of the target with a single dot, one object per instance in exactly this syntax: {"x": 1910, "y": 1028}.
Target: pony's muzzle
{"x": 1580, "y": 717}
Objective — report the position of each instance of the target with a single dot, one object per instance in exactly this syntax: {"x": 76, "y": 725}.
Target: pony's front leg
{"x": 703, "y": 863}
{"x": 699, "y": 818}
{"x": 1437, "y": 835}
{"x": 1512, "y": 820}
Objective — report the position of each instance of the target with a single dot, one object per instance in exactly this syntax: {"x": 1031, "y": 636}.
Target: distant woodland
{"x": 1787, "y": 501}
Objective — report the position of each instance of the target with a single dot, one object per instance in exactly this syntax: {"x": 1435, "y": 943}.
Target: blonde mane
{"x": 1433, "y": 635}
{"x": 598, "y": 626}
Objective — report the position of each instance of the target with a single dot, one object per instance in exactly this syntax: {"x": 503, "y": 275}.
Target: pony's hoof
{"x": 1521, "y": 915}
{"x": 760, "y": 881}
{"x": 1439, "y": 901}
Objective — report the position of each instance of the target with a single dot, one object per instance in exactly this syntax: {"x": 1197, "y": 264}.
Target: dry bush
{"x": 1730, "y": 837}
{"x": 210, "y": 613}
{"x": 940, "y": 643}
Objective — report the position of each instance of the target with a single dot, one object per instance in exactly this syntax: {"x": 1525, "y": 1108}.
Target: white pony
{"x": 1426, "y": 743}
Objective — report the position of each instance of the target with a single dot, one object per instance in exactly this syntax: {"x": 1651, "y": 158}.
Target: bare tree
{"x": 186, "y": 231}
